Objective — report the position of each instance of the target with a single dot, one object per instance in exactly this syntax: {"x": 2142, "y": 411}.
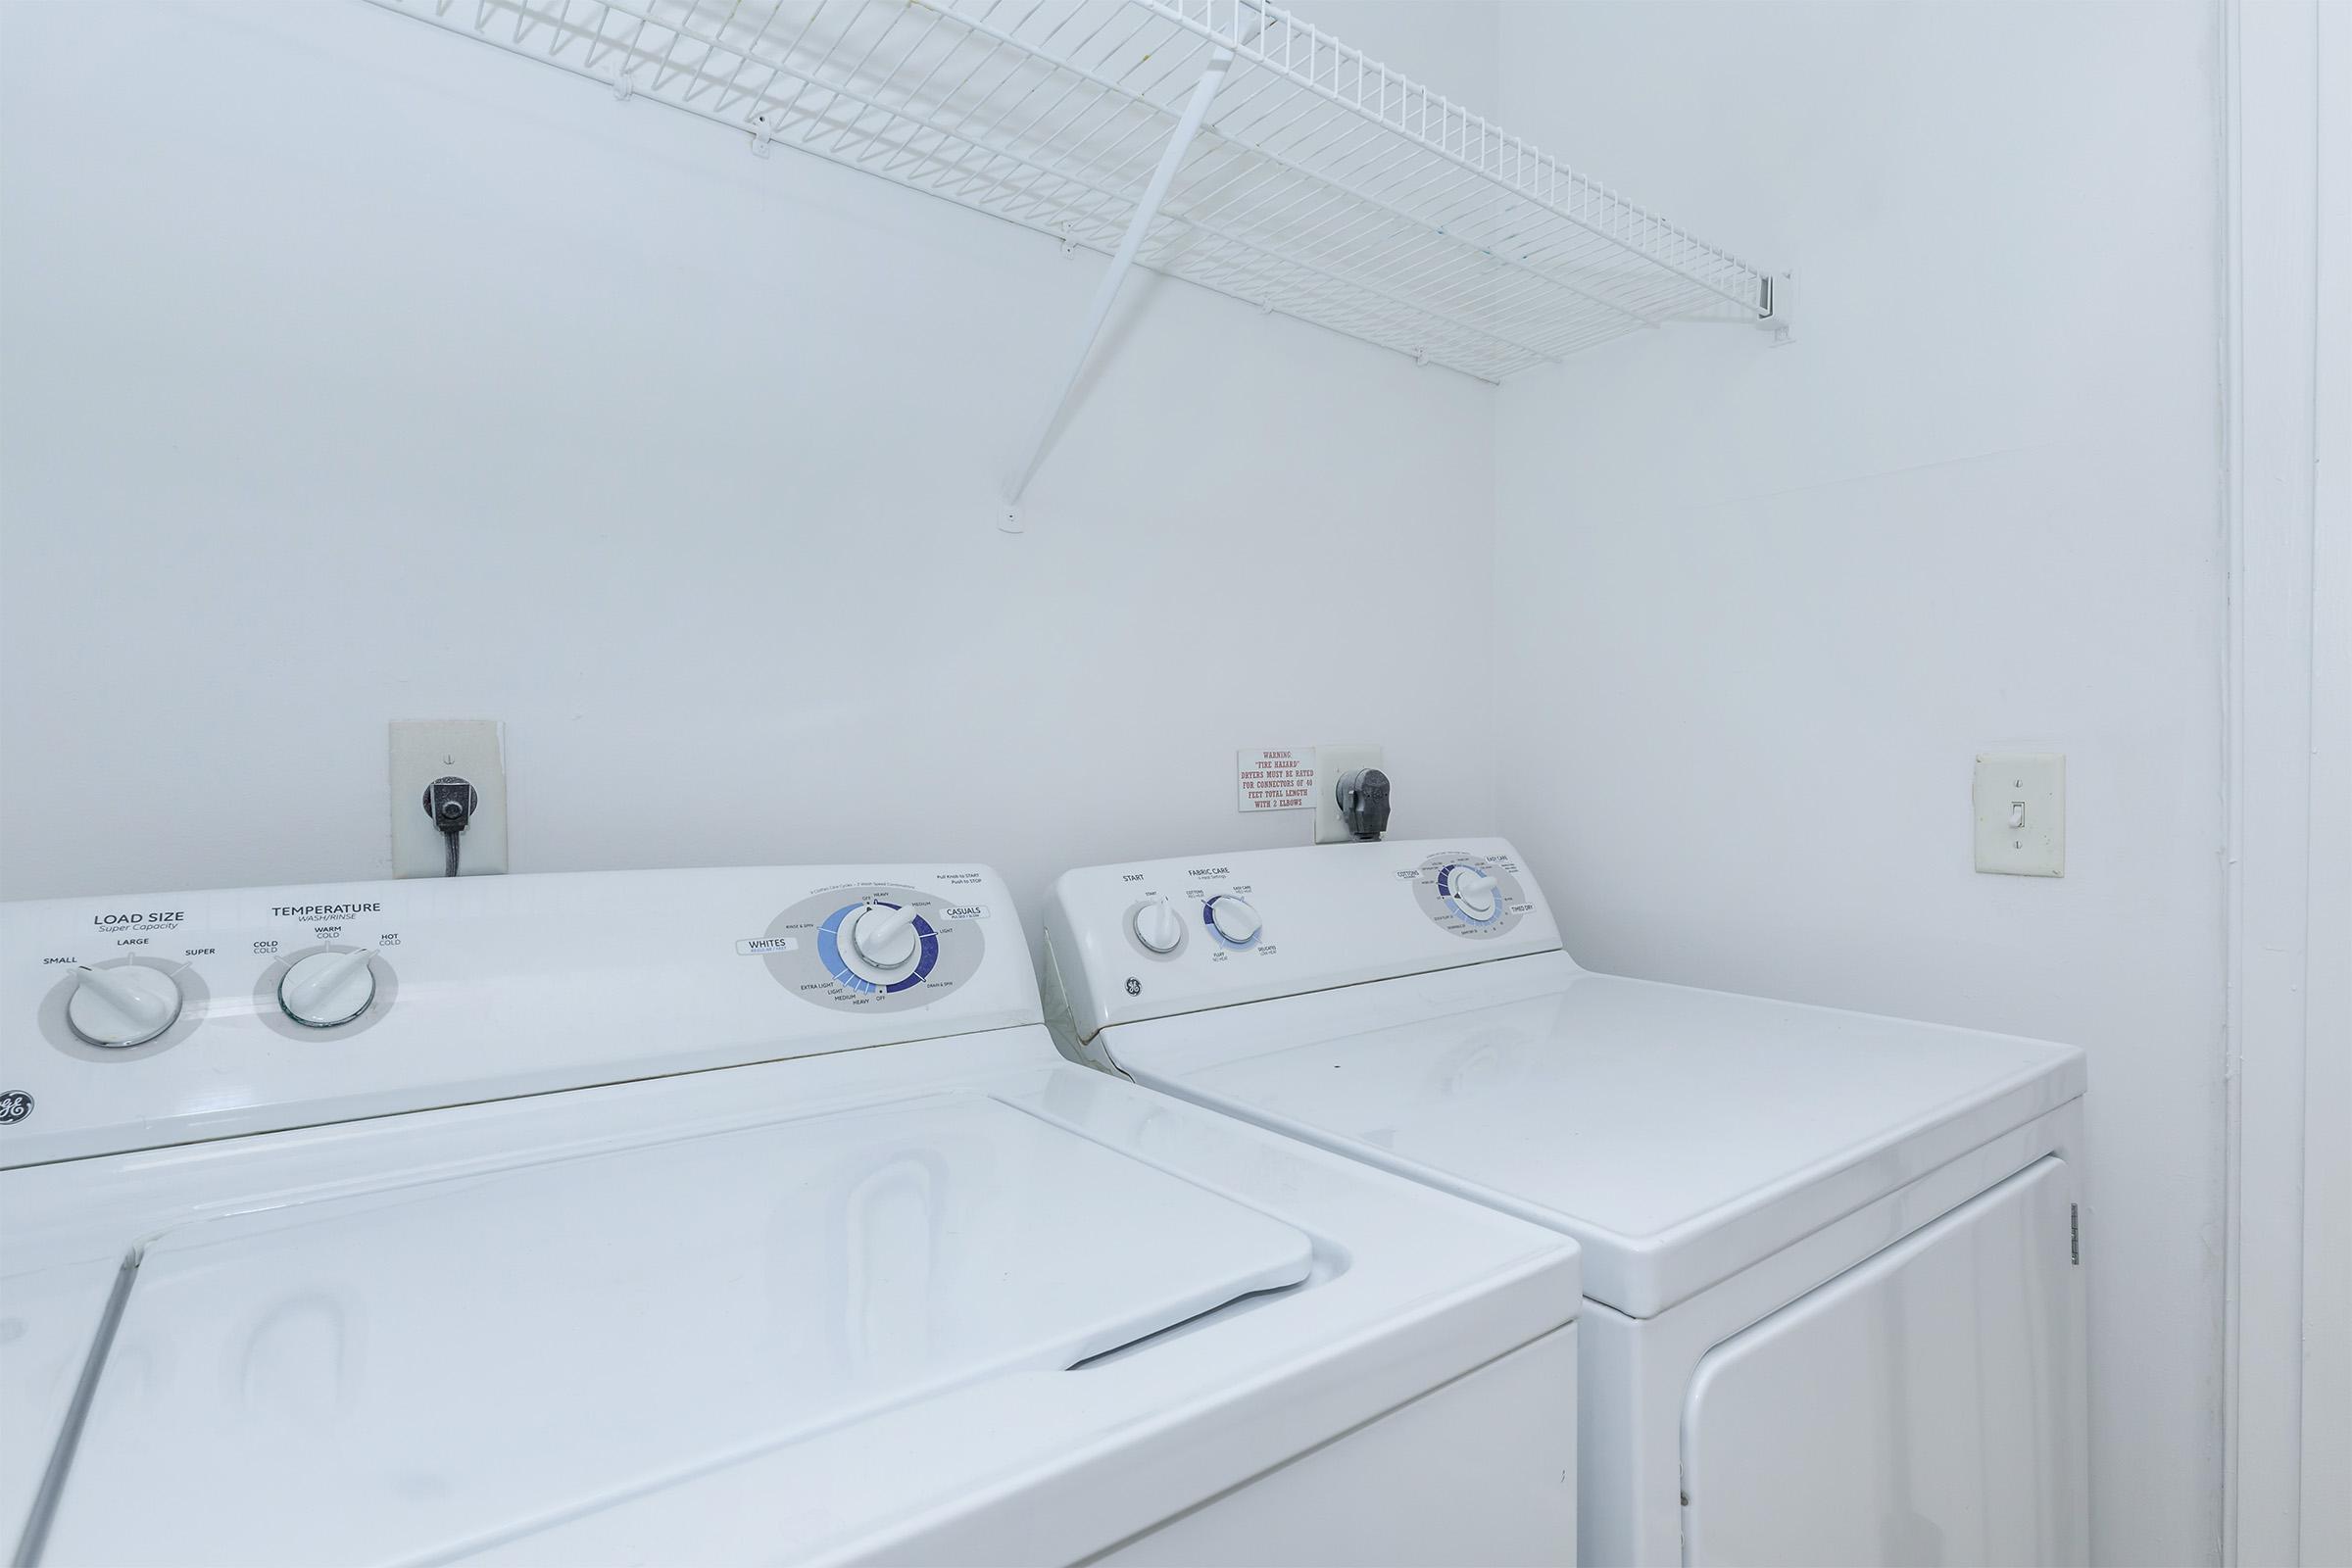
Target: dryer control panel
{"x": 142, "y": 1021}
{"x": 1161, "y": 937}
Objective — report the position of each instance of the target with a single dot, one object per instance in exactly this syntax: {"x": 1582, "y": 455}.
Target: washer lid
{"x": 1679, "y": 1135}
{"x": 433, "y": 1369}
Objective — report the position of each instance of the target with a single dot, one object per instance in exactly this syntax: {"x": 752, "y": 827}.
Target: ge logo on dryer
{"x": 15, "y": 1106}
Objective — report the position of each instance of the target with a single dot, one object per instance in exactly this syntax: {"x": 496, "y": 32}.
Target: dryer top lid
{"x": 1679, "y": 1135}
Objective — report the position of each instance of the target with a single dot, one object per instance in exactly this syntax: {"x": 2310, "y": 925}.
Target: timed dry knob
{"x": 1473, "y": 892}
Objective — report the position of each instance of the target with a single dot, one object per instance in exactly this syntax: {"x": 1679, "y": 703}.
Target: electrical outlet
{"x": 424, "y": 749}
{"x": 1331, "y": 762}
{"x": 2021, "y": 813}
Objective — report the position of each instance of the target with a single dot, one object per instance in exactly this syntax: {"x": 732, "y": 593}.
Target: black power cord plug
{"x": 449, "y": 803}
{"x": 1363, "y": 797}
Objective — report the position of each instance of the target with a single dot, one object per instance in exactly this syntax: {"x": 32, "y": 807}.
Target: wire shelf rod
{"x": 1321, "y": 183}
{"x": 1175, "y": 12}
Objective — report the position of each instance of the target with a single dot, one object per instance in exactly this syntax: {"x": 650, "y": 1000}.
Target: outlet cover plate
{"x": 424, "y": 749}
{"x": 2021, "y": 813}
{"x": 1330, "y": 762}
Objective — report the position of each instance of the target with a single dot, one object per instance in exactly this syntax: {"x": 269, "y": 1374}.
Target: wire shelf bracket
{"x": 1224, "y": 142}
{"x": 1180, "y": 142}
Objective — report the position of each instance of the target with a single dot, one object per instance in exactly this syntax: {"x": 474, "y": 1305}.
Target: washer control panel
{"x": 139, "y": 1022}
{"x": 1162, "y": 937}
{"x": 877, "y": 946}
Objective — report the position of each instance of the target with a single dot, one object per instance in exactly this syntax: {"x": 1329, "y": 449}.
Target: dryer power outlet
{"x": 1332, "y": 763}
{"x": 424, "y": 749}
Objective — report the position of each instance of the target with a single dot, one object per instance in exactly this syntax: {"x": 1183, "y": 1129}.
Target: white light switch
{"x": 2021, "y": 813}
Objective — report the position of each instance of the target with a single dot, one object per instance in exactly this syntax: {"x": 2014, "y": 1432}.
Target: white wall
{"x": 356, "y": 371}
{"x": 1762, "y": 607}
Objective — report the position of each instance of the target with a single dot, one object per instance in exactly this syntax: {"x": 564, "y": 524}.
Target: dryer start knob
{"x": 1235, "y": 920}
{"x": 1157, "y": 926}
{"x": 126, "y": 1005}
{"x": 884, "y": 936}
{"x": 328, "y": 989}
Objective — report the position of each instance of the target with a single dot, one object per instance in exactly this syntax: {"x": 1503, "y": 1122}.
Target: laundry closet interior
{"x": 1729, "y": 469}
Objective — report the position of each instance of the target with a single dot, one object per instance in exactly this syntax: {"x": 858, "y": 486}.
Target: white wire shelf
{"x": 1321, "y": 184}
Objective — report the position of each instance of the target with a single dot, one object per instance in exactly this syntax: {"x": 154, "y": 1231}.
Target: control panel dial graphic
{"x": 122, "y": 1006}
{"x": 870, "y": 947}
{"x": 1469, "y": 895}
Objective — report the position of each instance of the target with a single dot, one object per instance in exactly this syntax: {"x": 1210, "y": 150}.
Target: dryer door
{"x": 1926, "y": 1407}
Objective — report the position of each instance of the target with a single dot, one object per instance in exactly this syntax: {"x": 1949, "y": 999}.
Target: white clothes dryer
{"x": 1835, "y": 1308}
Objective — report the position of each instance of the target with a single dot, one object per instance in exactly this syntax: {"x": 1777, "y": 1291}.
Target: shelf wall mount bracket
{"x": 1106, "y": 293}
{"x": 1779, "y": 314}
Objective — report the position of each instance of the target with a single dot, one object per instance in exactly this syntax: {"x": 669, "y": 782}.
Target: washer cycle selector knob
{"x": 123, "y": 1007}
{"x": 1235, "y": 920}
{"x": 328, "y": 989}
{"x": 884, "y": 936}
{"x": 1158, "y": 925}
{"x": 1472, "y": 890}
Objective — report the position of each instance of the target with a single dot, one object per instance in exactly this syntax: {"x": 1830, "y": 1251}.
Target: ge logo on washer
{"x": 1134, "y": 987}
{"x": 15, "y": 1106}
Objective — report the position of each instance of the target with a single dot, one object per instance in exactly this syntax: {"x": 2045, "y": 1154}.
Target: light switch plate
{"x": 424, "y": 749}
{"x": 2021, "y": 813}
{"x": 1330, "y": 762}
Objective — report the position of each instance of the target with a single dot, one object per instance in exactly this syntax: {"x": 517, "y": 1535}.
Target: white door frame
{"x": 2288, "y": 1375}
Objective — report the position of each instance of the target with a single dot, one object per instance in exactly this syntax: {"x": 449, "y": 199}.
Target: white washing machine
{"x": 706, "y": 1217}
{"x": 1835, "y": 1306}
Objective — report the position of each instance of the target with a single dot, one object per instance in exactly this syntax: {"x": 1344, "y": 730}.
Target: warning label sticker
{"x": 1277, "y": 780}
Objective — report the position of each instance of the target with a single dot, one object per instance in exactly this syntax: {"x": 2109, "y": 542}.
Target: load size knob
{"x": 1157, "y": 926}
{"x": 1473, "y": 892}
{"x": 1235, "y": 920}
{"x": 123, "y": 1007}
{"x": 328, "y": 989}
{"x": 884, "y": 936}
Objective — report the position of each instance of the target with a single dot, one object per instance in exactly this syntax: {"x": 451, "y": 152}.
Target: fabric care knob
{"x": 1235, "y": 920}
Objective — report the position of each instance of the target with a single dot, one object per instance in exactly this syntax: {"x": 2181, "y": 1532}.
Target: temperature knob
{"x": 1235, "y": 920}
{"x": 884, "y": 936}
{"x": 1473, "y": 892}
{"x": 1158, "y": 925}
{"x": 126, "y": 1005}
{"x": 328, "y": 989}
